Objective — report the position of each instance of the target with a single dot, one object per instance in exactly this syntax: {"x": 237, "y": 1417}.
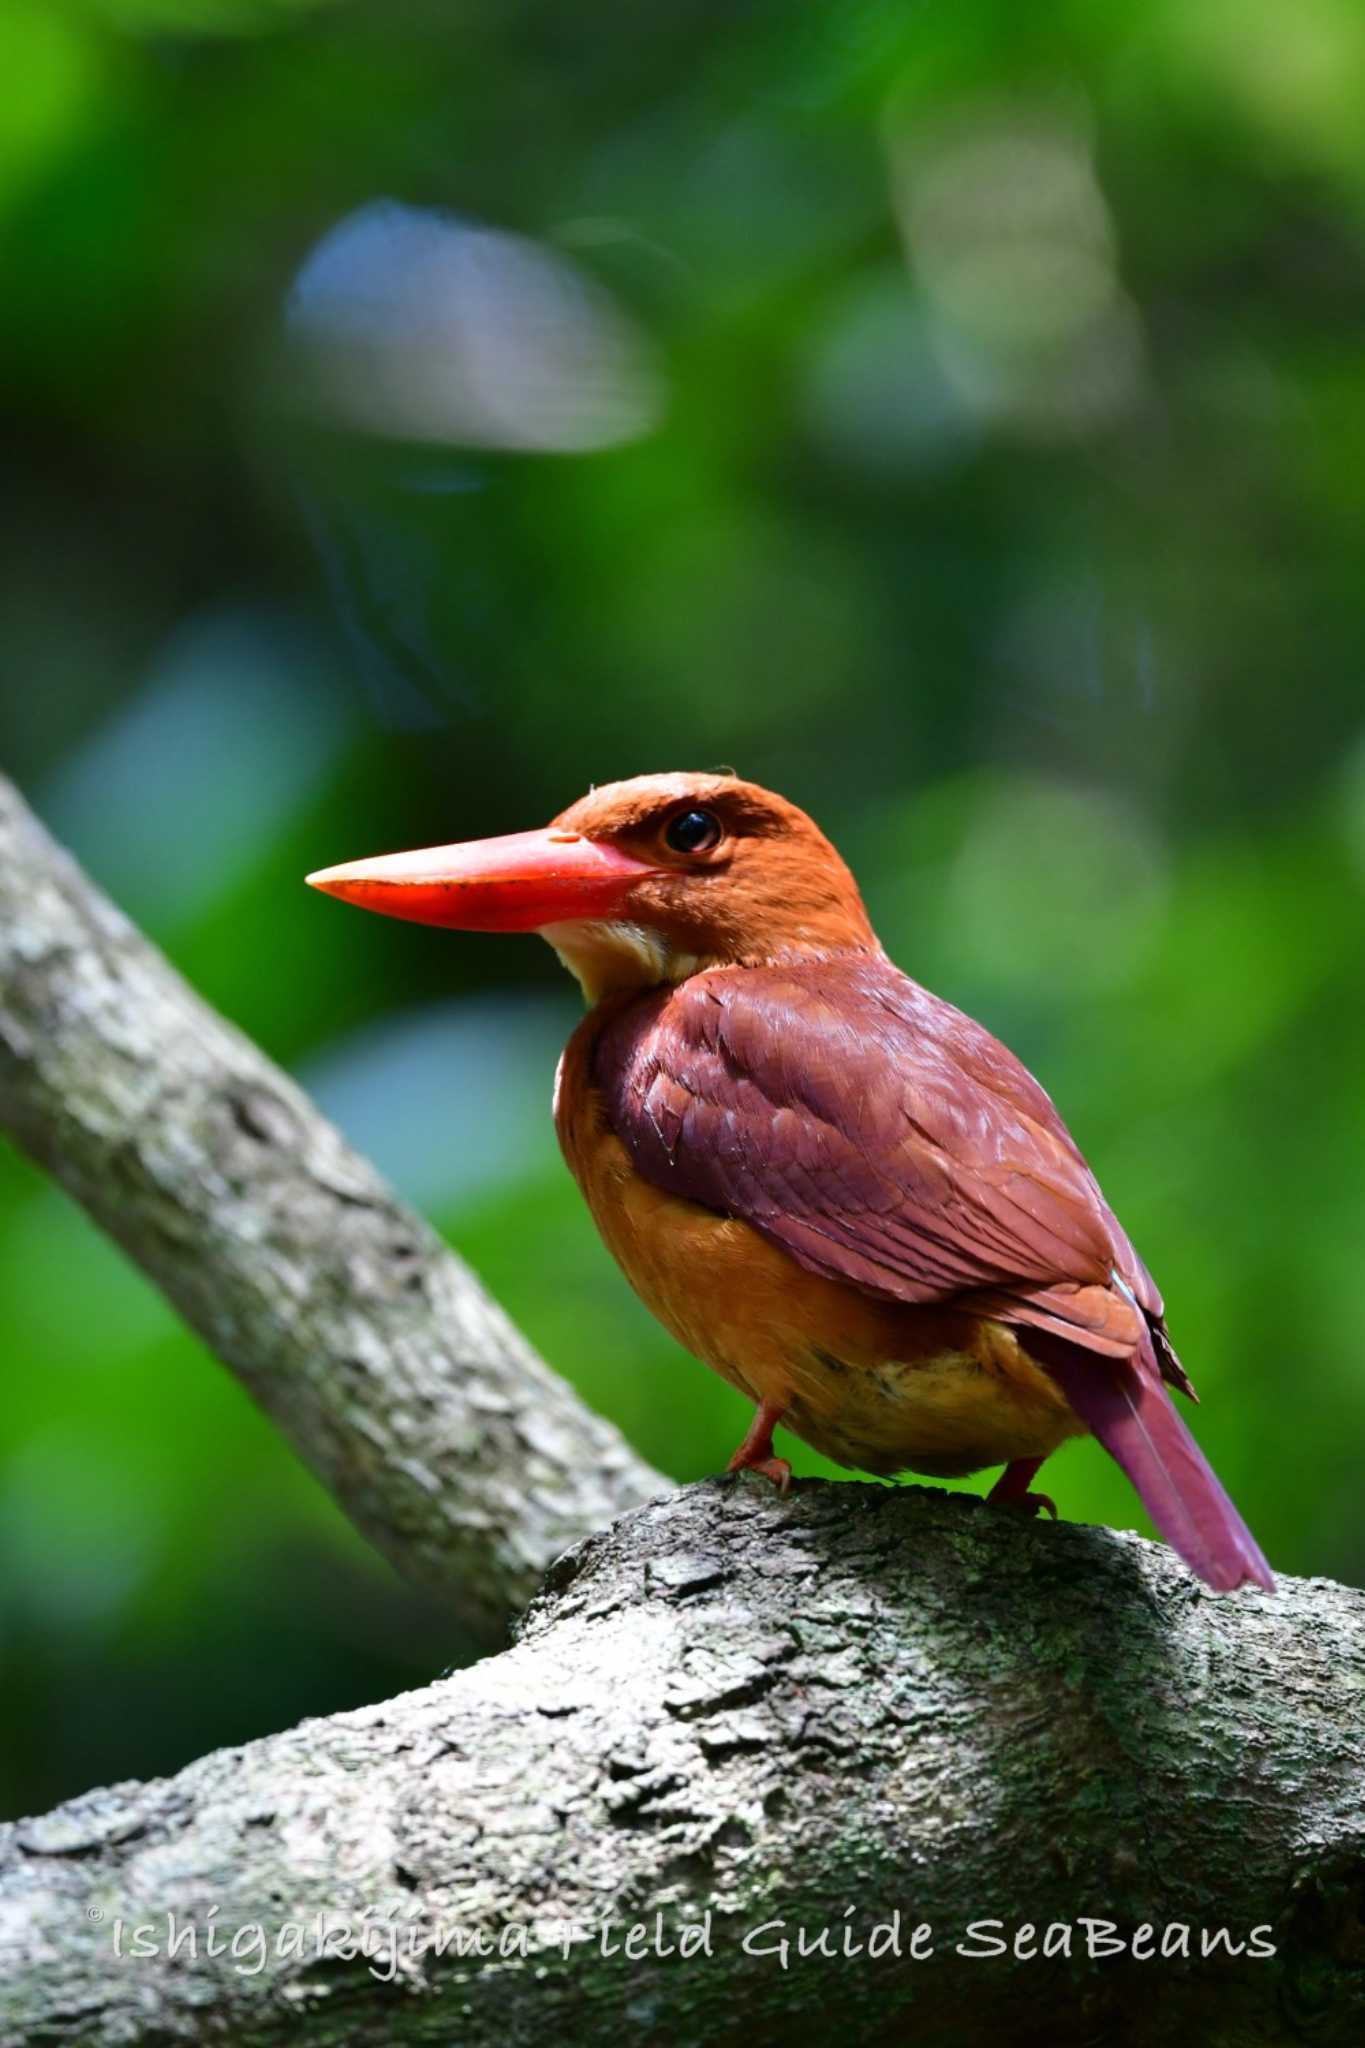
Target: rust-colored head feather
{"x": 737, "y": 876}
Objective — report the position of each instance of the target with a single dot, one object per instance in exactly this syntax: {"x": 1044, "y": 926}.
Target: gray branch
{"x": 388, "y": 1368}
{"x": 746, "y": 1716}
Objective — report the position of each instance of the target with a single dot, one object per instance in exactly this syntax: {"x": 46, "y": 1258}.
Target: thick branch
{"x": 883, "y": 1699}
{"x": 449, "y": 1443}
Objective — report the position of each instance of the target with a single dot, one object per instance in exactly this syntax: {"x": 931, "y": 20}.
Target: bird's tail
{"x": 1128, "y": 1408}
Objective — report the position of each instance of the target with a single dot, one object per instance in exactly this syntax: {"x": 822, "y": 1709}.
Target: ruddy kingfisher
{"x": 837, "y": 1190}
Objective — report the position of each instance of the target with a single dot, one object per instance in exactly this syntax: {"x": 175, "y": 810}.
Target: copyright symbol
{"x": 94, "y": 1912}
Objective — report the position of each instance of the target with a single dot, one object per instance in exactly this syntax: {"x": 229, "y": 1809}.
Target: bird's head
{"x": 638, "y": 883}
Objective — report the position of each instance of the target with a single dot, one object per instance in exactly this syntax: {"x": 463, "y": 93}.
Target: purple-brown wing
{"x": 880, "y": 1137}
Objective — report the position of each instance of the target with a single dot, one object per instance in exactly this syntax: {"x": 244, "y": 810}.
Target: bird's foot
{"x": 1032, "y": 1504}
{"x": 755, "y": 1454}
{"x": 1011, "y": 1490}
{"x": 776, "y": 1469}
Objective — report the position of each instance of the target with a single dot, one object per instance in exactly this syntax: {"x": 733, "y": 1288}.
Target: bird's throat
{"x": 618, "y": 958}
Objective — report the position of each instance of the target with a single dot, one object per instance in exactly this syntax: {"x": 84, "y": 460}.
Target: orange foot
{"x": 755, "y": 1454}
{"x": 1011, "y": 1490}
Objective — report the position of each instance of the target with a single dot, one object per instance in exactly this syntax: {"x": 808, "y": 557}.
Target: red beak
{"x": 517, "y": 883}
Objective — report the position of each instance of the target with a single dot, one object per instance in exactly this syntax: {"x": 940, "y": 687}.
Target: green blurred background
{"x": 954, "y": 417}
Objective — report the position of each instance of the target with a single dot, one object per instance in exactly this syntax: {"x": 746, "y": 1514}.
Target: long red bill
{"x": 516, "y": 883}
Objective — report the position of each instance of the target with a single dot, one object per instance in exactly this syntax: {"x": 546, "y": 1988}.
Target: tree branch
{"x": 465, "y": 1459}
{"x": 894, "y": 1700}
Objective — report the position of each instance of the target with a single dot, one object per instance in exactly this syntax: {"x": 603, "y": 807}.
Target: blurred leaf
{"x": 205, "y": 17}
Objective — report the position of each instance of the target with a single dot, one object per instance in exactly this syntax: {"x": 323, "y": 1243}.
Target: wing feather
{"x": 880, "y": 1137}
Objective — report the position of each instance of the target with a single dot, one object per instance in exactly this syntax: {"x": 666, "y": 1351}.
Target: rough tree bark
{"x": 821, "y": 1712}
{"x": 883, "y": 1699}
{"x": 452, "y": 1447}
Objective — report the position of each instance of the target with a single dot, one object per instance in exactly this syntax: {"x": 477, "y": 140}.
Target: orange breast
{"x": 874, "y": 1385}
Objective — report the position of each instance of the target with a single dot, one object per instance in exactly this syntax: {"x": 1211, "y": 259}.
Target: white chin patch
{"x": 605, "y": 958}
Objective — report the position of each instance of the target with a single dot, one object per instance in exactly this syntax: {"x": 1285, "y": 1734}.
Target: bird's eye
{"x": 692, "y": 832}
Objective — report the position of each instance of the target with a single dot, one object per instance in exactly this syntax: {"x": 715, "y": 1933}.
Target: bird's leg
{"x": 755, "y": 1454}
{"x": 1011, "y": 1489}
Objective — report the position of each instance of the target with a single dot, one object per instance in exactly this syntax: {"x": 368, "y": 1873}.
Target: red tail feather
{"x": 1129, "y": 1410}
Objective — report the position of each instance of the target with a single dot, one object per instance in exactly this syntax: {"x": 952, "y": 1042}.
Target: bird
{"x": 833, "y": 1187}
